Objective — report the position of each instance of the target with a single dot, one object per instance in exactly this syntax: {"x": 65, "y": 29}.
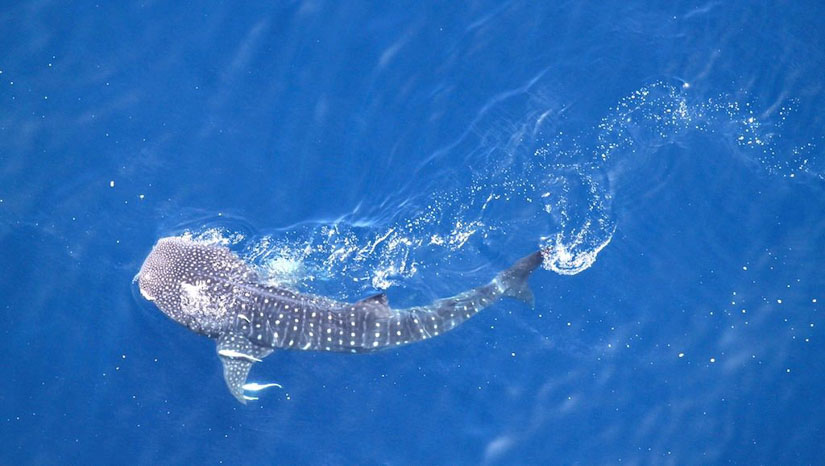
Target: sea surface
{"x": 667, "y": 157}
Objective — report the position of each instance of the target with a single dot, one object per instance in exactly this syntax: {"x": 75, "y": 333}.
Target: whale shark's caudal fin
{"x": 513, "y": 281}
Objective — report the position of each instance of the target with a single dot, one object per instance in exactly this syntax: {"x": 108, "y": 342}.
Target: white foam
{"x": 570, "y": 258}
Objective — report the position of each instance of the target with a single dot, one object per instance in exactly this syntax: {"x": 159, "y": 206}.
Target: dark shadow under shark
{"x": 213, "y": 292}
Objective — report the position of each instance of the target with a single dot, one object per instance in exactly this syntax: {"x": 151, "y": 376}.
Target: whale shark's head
{"x": 161, "y": 272}
{"x": 192, "y": 282}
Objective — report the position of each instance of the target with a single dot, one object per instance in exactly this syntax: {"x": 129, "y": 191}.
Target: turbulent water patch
{"x": 518, "y": 185}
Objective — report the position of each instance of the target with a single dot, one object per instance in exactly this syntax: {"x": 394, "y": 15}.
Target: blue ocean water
{"x": 667, "y": 157}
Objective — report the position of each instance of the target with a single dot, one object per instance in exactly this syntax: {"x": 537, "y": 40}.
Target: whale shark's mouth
{"x": 144, "y": 293}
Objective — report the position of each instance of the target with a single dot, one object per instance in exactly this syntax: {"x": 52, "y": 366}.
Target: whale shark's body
{"x": 213, "y": 292}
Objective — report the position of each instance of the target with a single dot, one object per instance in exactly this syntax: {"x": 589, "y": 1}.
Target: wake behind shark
{"x": 213, "y": 292}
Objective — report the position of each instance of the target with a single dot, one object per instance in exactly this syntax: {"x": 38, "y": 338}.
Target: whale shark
{"x": 212, "y": 291}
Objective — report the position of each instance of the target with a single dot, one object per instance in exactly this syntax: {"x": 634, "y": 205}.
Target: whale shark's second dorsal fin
{"x": 238, "y": 354}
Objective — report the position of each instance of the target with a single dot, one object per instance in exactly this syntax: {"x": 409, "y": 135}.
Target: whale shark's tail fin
{"x": 513, "y": 281}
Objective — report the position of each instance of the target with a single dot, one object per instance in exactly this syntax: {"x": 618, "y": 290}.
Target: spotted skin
{"x": 215, "y": 293}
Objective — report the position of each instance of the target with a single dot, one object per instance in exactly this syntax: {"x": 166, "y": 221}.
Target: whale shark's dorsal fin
{"x": 378, "y": 304}
{"x": 380, "y": 299}
{"x": 238, "y": 354}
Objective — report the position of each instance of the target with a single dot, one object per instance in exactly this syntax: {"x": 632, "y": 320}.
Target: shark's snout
{"x": 142, "y": 279}
{"x": 147, "y": 278}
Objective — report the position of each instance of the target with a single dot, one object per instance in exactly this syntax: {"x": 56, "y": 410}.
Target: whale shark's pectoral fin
{"x": 238, "y": 354}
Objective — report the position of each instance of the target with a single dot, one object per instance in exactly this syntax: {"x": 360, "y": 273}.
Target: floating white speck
{"x": 744, "y": 267}
{"x": 112, "y": 183}
{"x": 712, "y": 360}
{"x": 778, "y": 301}
{"x": 681, "y": 355}
{"x": 141, "y": 196}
